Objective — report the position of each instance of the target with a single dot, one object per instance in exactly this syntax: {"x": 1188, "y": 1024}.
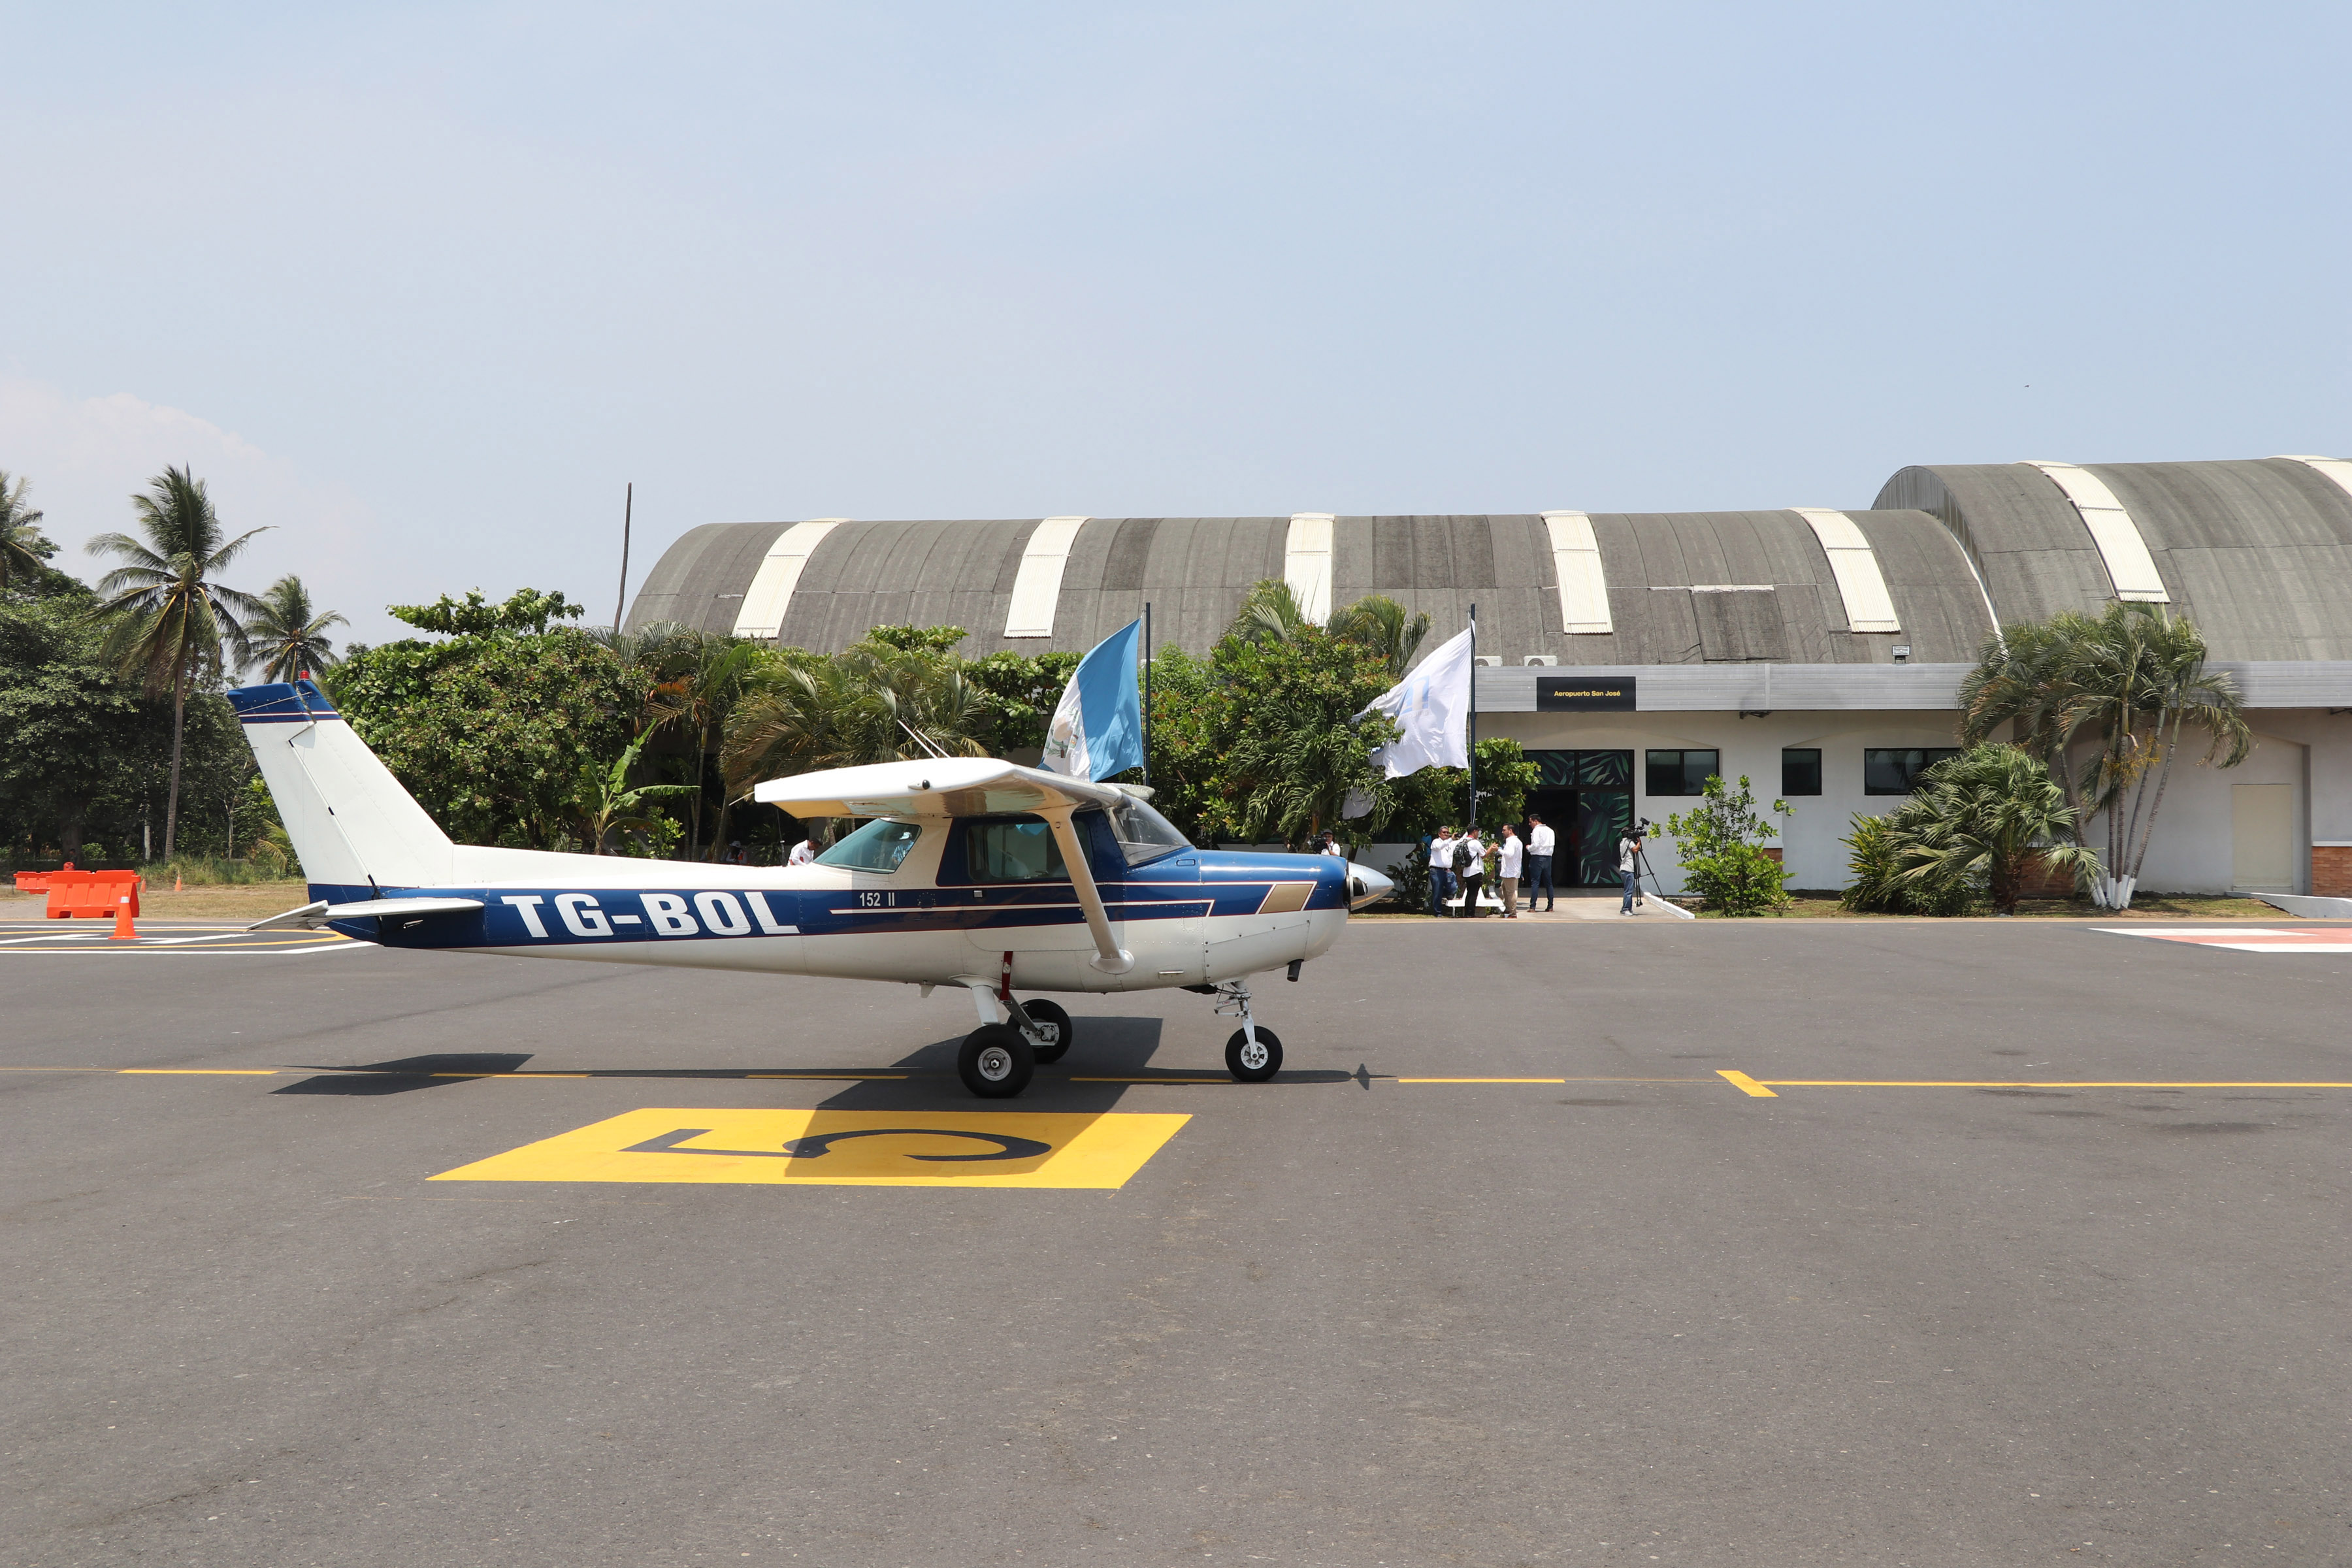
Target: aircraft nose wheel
{"x": 1253, "y": 1061}
{"x": 996, "y": 1062}
{"x": 1054, "y": 1035}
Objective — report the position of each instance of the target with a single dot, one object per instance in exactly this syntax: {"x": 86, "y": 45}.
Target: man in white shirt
{"x": 802, "y": 853}
{"x": 1331, "y": 846}
{"x": 1470, "y": 869}
{"x": 1507, "y": 867}
{"x": 1539, "y": 843}
{"x": 1441, "y": 869}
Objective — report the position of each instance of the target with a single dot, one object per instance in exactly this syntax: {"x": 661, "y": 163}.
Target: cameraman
{"x": 1629, "y": 860}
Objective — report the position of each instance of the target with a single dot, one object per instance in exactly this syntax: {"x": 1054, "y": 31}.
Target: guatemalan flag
{"x": 1098, "y": 728}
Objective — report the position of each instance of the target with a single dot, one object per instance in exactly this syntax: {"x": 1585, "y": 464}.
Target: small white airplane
{"x": 969, "y": 872}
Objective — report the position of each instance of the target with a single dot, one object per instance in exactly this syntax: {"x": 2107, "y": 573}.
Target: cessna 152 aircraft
{"x": 969, "y": 872}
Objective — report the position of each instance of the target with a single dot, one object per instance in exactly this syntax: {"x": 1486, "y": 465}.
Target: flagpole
{"x": 1147, "y": 694}
{"x": 1471, "y": 749}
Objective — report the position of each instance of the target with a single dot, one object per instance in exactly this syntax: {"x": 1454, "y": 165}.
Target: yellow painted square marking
{"x": 841, "y": 1148}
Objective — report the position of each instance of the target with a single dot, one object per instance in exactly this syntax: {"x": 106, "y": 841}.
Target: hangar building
{"x": 1818, "y": 651}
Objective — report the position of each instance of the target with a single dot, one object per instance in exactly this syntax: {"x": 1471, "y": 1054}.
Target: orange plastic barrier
{"x": 37, "y": 881}
{"x": 98, "y": 894}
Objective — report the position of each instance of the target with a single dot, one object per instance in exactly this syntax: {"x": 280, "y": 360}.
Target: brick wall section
{"x": 2041, "y": 881}
{"x": 2331, "y": 870}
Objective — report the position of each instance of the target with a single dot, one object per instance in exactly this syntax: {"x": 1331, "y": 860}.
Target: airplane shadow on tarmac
{"x": 1105, "y": 1047}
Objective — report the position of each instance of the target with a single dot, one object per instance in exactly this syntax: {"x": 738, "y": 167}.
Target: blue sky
{"x": 423, "y": 287}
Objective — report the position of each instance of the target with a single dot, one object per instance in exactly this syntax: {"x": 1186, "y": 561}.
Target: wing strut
{"x": 1109, "y": 957}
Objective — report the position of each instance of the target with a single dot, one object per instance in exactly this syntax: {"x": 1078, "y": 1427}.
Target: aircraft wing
{"x": 965, "y": 786}
{"x": 931, "y": 786}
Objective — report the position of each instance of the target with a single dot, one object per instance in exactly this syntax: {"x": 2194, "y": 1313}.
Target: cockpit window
{"x": 1013, "y": 849}
{"x": 1142, "y": 833}
{"x": 879, "y": 845}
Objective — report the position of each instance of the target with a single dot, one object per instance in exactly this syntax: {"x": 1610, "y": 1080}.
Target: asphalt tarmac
{"x": 1901, "y": 1290}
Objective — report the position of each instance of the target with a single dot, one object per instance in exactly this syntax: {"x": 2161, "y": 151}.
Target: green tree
{"x": 1720, "y": 846}
{"x": 1022, "y": 691}
{"x": 605, "y": 800}
{"x": 1382, "y": 624}
{"x": 800, "y": 711}
{"x": 167, "y": 617}
{"x": 286, "y": 634}
{"x": 491, "y": 729}
{"x": 22, "y": 547}
{"x": 703, "y": 675}
{"x": 72, "y": 724}
{"x": 2132, "y": 685}
{"x": 1993, "y": 812}
{"x": 525, "y": 610}
{"x": 1260, "y": 741}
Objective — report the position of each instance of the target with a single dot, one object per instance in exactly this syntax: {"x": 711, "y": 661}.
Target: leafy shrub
{"x": 1720, "y": 844}
{"x": 1879, "y": 885}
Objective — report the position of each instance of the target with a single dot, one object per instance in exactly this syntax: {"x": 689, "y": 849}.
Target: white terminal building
{"x": 1817, "y": 651}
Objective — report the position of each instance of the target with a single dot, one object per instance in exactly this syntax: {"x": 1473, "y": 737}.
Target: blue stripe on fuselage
{"x": 1184, "y": 886}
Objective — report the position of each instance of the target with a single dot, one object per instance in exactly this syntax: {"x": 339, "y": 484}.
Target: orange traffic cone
{"x": 175, "y": 881}
{"x": 123, "y": 929}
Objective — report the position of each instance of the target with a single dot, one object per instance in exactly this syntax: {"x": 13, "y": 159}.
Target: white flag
{"x": 1431, "y": 706}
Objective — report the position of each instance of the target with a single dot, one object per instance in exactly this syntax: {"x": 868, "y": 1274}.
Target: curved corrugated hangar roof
{"x": 2259, "y": 552}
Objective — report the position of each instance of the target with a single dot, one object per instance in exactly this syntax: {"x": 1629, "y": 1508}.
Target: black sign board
{"x": 1583, "y": 694}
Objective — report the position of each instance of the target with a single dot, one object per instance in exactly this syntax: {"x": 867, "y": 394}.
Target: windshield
{"x": 879, "y": 845}
{"x": 1142, "y": 833}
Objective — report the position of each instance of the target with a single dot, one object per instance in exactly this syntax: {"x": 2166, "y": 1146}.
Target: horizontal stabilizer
{"x": 310, "y": 917}
{"x": 932, "y": 786}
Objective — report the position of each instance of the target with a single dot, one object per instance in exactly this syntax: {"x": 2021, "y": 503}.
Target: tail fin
{"x": 350, "y": 822}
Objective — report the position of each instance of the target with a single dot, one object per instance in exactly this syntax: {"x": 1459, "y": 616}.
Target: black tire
{"x": 1054, "y": 1025}
{"x": 1245, "y": 1073}
{"x": 995, "y": 1062}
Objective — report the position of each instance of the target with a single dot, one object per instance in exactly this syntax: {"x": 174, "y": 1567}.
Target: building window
{"x": 1898, "y": 771}
{"x": 1801, "y": 770}
{"x": 1680, "y": 772}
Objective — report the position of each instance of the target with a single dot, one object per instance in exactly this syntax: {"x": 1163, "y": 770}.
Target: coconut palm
{"x": 1995, "y": 812}
{"x": 165, "y": 616}
{"x": 287, "y": 634}
{"x": 22, "y": 543}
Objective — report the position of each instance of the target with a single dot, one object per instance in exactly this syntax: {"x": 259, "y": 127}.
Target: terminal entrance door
{"x": 1587, "y": 799}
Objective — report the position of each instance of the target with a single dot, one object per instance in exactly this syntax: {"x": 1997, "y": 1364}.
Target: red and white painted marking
{"x": 2241, "y": 939}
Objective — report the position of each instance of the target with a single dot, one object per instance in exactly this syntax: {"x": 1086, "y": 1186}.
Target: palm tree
{"x": 2132, "y": 681}
{"x": 165, "y": 617}
{"x": 286, "y": 636}
{"x": 1270, "y": 613}
{"x": 863, "y": 705}
{"x": 1992, "y": 811}
{"x": 604, "y": 799}
{"x": 22, "y": 543}
{"x": 1382, "y": 624}
{"x": 699, "y": 677}
{"x": 2141, "y": 684}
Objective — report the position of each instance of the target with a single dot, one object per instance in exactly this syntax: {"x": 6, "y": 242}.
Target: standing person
{"x": 1331, "y": 846}
{"x": 1470, "y": 862}
{"x": 1629, "y": 849}
{"x": 1507, "y": 867}
{"x": 802, "y": 853}
{"x": 1539, "y": 843}
{"x": 1441, "y": 869}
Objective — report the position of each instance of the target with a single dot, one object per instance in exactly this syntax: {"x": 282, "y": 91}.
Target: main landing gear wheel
{"x": 1053, "y": 1029}
{"x": 1253, "y": 1061}
{"x": 996, "y": 1061}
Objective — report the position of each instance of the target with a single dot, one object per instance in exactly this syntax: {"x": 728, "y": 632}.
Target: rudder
{"x": 351, "y": 821}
